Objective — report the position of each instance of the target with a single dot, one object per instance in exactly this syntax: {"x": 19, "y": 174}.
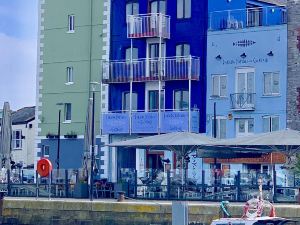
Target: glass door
{"x": 153, "y": 59}
{"x": 153, "y": 100}
{"x": 244, "y": 127}
{"x": 245, "y": 88}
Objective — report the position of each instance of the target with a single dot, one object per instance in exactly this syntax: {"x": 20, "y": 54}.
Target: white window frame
{"x": 219, "y": 86}
{"x": 44, "y": 151}
{"x": 71, "y": 23}
{"x": 246, "y": 133}
{"x": 219, "y": 118}
{"x": 270, "y": 118}
{"x": 70, "y": 75}
{"x": 14, "y": 140}
{"x": 272, "y": 81}
{"x": 66, "y": 113}
{"x": 182, "y": 8}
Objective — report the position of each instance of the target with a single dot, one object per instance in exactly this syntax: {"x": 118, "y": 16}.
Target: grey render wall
{"x": 293, "y": 84}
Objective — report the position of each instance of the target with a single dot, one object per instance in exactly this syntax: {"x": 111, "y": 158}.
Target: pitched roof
{"x": 23, "y": 115}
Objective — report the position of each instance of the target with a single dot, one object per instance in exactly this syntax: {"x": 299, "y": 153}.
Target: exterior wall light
{"x": 218, "y": 57}
{"x": 243, "y": 55}
{"x": 270, "y": 53}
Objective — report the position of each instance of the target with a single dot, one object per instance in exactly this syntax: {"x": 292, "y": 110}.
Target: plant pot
{"x": 81, "y": 190}
{"x": 70, "y": 136}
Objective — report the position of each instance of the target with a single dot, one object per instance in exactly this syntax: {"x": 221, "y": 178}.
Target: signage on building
{"x": 115, "y": 123}
{"x": 244, "y": 61}
{"x": 146, "y": 122}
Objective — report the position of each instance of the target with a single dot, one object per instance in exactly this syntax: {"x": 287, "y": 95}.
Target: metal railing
{"x": 242, "y": 101}
{"x": 141, "y": 70}
{"x": 171, "y": 120}
{"x": 148, "y": 25}
{"x": 250, "y": 17}
{"x": 209, "y": 185}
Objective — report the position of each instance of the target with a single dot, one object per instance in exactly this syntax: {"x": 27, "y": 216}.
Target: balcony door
{"x": 153, "y": 100}
{"x": 244, "y": 88}
{"x": 158, "y": 6}
{"x": 244, "y": 127}
{"x": 153, "y": 59}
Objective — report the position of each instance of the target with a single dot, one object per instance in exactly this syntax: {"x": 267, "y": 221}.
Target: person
{"x": 73, "y": 180}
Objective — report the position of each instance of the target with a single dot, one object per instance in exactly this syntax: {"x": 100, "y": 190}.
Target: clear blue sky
{"x": 18, "y": 41}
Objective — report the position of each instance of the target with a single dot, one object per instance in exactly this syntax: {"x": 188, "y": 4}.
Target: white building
{"x": 23, "y": 138}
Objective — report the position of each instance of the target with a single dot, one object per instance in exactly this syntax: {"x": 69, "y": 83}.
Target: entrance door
{"x": 153, "y": 56}
{"x": 244, "y": 127}
{"x": 245, "y": 88}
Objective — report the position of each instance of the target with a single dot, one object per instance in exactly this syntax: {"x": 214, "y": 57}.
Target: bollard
{"x": 121, "y": 196}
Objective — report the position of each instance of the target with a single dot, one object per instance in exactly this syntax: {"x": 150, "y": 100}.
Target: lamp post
{"x": 93, "y": 142}
{"x": 58, "y": 138}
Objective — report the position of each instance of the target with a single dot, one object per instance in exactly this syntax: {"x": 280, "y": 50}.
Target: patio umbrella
{"x": 6, "y": 137}
{"x": 87, "y": 139}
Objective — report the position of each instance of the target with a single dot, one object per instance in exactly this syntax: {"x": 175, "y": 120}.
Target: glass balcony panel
{"x": 145, "y": 122}
{"x": 115, "y": 123}
{"x": 148, "y": 25}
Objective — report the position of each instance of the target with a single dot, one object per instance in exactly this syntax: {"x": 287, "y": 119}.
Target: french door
{"x": 244, "y": 96}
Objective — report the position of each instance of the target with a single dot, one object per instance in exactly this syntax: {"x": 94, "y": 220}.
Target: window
{"x": 71, "y": 23}
{"x": 270, "y": 123}
{"x": 221, "y": 127}
{"x": 128, "y": 54}
{"x": 68, "y": 111}
{"x": 46, "y": 151}
{"x": 183, "y": 50}
{"x": 126, "y": 101}
{"x": 271, "y": 83}
{"x": 158, "y": 6}
{"x": 70, "y": 74}
{"x": 132, "y": 8}
{"x": 153, "y": 100}
{"x": 181, "y": 100}
{"x": 183, "y": 9}
{"x": 219, "y": 85}
{"x": 244, "y": 127}
{"x": 17, "y": 139}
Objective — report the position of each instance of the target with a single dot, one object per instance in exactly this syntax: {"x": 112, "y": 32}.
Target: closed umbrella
{"x": 6, "y": 137}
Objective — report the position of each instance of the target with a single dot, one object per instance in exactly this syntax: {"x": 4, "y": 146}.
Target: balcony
{"x": 250, "y": 17}
{"x": 242, "y": 101}
{"x": 148, "y": 26}
{"x": 148, "y": 123}
{"x": 141, "y": 70}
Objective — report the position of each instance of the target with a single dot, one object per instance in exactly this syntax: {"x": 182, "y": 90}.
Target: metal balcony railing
{"x": 148, "y": 25}
{"x": 250, "y": 17}
{"x": 242, "y": 101}
{"x": 141, "y": 70}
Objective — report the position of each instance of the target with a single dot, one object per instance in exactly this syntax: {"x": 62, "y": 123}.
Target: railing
{"x": 242, "y": 101}
{"x": 148, "y": 25}
{"x": 147, "y": 122}
{"x": 141, "y": 70}
{"x": 207, "y": 185}
{"x": 250, "y": 17}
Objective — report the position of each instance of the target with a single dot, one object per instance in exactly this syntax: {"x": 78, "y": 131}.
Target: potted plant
{"x": 51, "y": 136}
{"x": 81, "y": 188}
{"x": 72, "y": 134}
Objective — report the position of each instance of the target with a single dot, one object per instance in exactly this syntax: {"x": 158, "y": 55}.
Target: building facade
{"x": 23, "y": 137}
{"x": 156, "y": 75}
{"x": 293, "y": 86}
{"x": 70, "y": 51}
{"x": 247, "y": 75}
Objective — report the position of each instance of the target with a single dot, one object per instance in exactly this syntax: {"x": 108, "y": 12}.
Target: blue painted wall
{"x": 71, "y": 152}
{"x": 180, "y": 33}
{"x": 265, "y": 39}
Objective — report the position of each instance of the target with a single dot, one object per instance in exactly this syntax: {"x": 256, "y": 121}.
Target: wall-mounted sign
{"x": 115, "y": 123}
{"x": 244, "y": 61}
{"x": 145, "y": 122}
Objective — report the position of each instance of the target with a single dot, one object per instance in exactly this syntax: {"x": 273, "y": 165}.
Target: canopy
{"x": 285, "y": 137}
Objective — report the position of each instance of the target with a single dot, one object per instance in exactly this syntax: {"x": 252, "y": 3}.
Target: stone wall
{"x": 293, "y": 87}
{"x": 46, "y": 212}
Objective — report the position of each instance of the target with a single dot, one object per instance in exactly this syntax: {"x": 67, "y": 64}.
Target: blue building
{"x": 246, "y": 71}
{"x": 156, "y": 75}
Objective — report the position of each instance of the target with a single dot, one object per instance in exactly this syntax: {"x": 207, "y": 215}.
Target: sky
{"x": 18, "y": 52}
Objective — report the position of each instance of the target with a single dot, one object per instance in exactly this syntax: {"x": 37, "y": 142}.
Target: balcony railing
{"x": 242, "y": 101}
{"x": 141, "y": 70}
{"x": 250, "y": 17}
{"x": 147, "y": 122}
{"x": 148, "y": 25}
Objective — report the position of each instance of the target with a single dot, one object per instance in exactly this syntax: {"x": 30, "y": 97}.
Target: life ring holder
{"x": 44, "y": 167}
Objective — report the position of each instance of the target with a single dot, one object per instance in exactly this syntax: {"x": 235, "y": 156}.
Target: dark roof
{"x": 23, "y": 116}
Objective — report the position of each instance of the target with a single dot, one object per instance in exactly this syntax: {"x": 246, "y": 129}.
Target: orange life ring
{"x": 44, "y": 167}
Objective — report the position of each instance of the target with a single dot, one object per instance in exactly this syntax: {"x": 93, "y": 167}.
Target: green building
{"x": 72, "y": 45}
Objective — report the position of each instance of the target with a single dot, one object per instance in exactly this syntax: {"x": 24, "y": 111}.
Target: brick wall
{"x": 293, "y": 84}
